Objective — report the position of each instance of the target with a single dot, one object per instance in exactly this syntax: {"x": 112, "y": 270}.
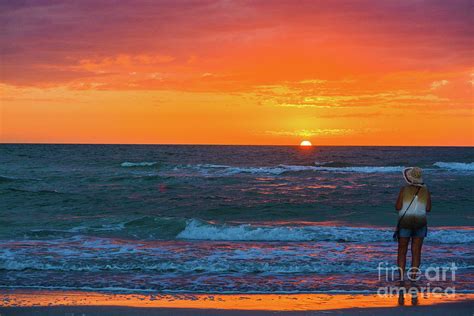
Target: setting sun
{"x": 306, "y": 143}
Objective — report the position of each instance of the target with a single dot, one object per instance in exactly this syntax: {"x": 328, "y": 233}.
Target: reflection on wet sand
{"x": 270, "y": 302}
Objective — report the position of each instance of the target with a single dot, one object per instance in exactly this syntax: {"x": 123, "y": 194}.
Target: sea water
{"x": 222, "y": 219}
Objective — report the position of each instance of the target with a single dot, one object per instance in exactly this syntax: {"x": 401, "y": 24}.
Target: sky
{"x": 237, "y": 72}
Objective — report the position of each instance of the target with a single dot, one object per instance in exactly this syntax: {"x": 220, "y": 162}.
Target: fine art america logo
{"x": 432, "y": 274}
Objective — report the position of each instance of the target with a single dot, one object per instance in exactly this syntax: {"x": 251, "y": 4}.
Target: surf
{"x": 200, "y": 230}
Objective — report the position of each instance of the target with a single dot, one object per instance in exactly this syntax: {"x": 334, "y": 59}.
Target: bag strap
{"x": 414, "y": 196}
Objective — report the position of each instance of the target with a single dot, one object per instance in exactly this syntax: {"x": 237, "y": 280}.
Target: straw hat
{"x": 413, "y": 175}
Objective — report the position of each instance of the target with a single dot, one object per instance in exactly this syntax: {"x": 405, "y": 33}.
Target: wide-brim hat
{"x": 413, "y": 175}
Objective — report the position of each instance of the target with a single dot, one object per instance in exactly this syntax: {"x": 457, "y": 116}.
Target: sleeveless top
{"x": 415, "y": 217}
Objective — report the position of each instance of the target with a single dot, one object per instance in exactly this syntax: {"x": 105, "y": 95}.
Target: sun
{"x": 306, "y": 143}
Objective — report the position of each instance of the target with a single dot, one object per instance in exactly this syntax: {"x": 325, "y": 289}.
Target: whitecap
{"x": 196, "y": 229}
{"x": 460, "y": 166}
{"x": 138, "y": 164}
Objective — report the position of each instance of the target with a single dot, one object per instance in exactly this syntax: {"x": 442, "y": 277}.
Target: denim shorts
{"x": 419, "y": 232}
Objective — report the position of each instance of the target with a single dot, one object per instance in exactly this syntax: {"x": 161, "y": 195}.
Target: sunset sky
{"x": 237, "y": 72}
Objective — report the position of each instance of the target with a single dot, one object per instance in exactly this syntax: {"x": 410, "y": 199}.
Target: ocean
{"x": 222, "y": 219}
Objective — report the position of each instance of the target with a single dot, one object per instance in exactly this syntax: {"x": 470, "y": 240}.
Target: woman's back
{"x": 415, "y": 216}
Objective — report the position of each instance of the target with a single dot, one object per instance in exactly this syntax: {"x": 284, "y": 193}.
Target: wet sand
{"x": 72, "y": 303}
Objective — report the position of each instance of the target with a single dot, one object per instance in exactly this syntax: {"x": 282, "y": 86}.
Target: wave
{"x": 204, "y": 265}
{"x": 146, "y": 227}
{"x": 361, "y": 169}
{"x": 224, "y": 170}
{"x": 190, "y": 258}
{"x": 138, "y": 164}
{"x": 40, "y": 192}
{"x": 7, "y": 179}
{"x": 196, "y": 229}
{"x": 77, "y": 229}
{"x": 86, "y": 254}
{"x": 169, "y": 228}
{"x": 461, "y": 166}
{"x": 338, "y": 167}
{"x": 96, "y": 254}
{"x": 333, "y": 164}
{"x": 212, "y": 266}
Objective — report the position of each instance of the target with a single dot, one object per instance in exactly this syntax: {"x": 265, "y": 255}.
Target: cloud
{"x": 55, "y": 42}
{"x": 361, "y": 115}
{"x": 342, "y": 94}
{"x": 472, "y": 79}
{"x": 437, "y": 84}
{"x": 312, "y": 81}
{"x": 121, "y": 62}
{"x": 312, "y": 132}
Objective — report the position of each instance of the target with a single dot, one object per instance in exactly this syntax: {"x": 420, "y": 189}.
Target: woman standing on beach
{"x": 414, "y": 200}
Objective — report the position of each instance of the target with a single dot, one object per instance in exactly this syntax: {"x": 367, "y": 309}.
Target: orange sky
{"x": 237, "y": 72}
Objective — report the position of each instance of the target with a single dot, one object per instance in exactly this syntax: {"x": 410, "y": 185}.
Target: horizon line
{"x": 220, "y": 144}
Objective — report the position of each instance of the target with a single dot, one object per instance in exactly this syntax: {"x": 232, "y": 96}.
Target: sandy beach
{"x": 20, "y": 302}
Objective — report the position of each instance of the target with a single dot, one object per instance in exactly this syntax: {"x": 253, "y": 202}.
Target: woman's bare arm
{"x": 399, "y": 204}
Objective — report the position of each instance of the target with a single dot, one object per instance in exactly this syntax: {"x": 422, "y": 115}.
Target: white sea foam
{"x": 206, "y": 264}
{"x": 210, "y": 169}
{"x": 362, "y": 169}
{"x": 138, "y": 164}
{"x": 461, "y": 166}
{"x": 226, "y": 170}
{"x": 82, "y": 229}
{"x": 254, "y": 259}
{"x": 196, "y": 229}
{"x": 96, "y": 254}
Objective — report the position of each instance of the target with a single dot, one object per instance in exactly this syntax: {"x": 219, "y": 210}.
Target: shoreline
{"x": 44, "y": 302}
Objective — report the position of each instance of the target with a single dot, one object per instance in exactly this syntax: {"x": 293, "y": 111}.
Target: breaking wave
{"x": 196, "y": 229}
{"x": 227, "y": 170}
{"x": 138, "y": 164}
{"x": 461, "y": 166}
{"x": 224, "y": 170}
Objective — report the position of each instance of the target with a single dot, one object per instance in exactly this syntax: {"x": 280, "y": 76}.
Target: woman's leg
{"x": 416, "y": 244}
{"x": 402, "y": 255}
